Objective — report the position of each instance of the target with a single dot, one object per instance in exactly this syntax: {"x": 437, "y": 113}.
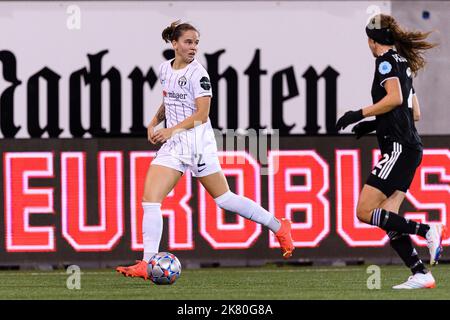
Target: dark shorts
{"x": 395, "y": 170}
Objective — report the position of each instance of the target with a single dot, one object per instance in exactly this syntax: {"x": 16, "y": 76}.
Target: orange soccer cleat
{"x": 137, "y": 270}
{"x": 285, "y": 239}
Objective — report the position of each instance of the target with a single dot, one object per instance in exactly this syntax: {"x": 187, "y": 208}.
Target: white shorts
{"x": 205, "y": 166}
{"x": 180, "y": 152}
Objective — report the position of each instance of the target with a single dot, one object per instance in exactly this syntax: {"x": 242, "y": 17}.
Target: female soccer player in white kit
{"x": 189, "y": 143}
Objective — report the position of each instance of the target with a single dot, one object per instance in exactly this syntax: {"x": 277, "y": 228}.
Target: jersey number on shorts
{"x": 387, "y": 163}
{"x": 381, "y": 164}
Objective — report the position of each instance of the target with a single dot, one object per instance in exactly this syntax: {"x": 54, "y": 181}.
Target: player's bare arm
{"x": 416, "y": 108}
{"x": 160, "y": 114}
{"x": 392, "y": 99}
{"x": 157, "y": 119}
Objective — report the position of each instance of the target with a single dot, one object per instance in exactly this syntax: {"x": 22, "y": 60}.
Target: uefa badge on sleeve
{"x": 384, "y": 67}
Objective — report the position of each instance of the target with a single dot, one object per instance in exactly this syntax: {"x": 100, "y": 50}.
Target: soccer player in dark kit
{"x": 399, "y": 57}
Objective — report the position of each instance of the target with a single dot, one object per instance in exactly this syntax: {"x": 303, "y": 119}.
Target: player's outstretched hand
{"x": 348, "y": 118}
{"x": 364, "y": 127}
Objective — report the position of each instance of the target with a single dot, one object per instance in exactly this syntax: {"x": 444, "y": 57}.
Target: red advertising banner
{"x": 79, "y": 201}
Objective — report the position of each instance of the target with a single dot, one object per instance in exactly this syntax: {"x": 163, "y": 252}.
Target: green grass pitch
{"x": 256, "y": 283}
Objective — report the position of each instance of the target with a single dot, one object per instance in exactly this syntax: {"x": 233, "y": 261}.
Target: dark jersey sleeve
{"x": 386, "y": 67}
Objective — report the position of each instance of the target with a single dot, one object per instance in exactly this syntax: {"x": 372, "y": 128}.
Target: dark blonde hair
{"x": 176, "y": 30}
{"x": 409, "y": 44}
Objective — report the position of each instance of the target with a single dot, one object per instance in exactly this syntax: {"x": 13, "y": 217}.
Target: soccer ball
{"x": 164, "y": 268}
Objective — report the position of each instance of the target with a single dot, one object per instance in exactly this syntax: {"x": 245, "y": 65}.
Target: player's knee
{"x": 363, "y": 213}
{"x": 148, "y": 199}
{"x": 151, "y": 198}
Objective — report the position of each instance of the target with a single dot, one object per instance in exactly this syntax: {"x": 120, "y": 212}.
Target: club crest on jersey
{"x": 384, "y": 67}
{"x": 205, "y": 83}
{"x": 408, "y": 72}
{"x": 182, "y": 81}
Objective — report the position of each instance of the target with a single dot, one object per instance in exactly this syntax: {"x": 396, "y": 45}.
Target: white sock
{"x": 248, "y": 209}
{"x": 152, "y": 226}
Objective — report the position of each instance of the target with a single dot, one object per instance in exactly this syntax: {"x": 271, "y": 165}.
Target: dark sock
{"x": 390, "y": 221}
{"x": 402, "y": 244}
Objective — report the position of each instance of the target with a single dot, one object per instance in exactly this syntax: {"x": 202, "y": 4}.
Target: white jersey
{"x": 180, "y": 89}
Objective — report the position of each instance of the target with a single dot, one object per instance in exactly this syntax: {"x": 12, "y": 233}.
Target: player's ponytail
{"x": 409, "y": 44}
{"x": 175, "y": 30}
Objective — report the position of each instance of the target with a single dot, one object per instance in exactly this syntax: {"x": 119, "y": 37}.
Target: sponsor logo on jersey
{"x": 384, "y": 67}
{"x": 205, "y": 83}
{"x": 175, "y": 95}
{"x": 182, "y": 81}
